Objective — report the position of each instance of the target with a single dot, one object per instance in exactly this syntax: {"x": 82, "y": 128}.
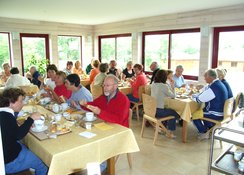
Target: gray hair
{"x": 212, "y": 73}
{"x": 156, "y": 64}
{"x": 221, "y": 73}
{"x": 113, "y": 77}
{"x": 179, "y": 67}
{"x": 34, "y": 67}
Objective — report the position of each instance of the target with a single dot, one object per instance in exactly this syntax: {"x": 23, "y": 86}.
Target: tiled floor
{"x": 169, "y": 157}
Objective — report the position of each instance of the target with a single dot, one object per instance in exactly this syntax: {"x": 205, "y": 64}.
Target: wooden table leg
{"x": 111, "y": 166}
{"x": 184, "y": 131}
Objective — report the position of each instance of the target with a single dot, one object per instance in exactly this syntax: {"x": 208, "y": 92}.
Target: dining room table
{"x": 185, "y": 107}
{"x": 72, "y": 151}
{"x": 125, "y": 89}
{"x": 85, "y": 81}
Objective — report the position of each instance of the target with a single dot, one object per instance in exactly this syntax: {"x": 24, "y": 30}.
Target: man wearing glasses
{"x": 113, "y": 106}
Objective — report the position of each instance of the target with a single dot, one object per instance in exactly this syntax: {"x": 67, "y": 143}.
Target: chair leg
{"x": 156, "y": 134}
{"x": 221, "y": 144}
{"x": 116, "y": 158}
{"x": 143, "y": 126}
{"x": 137, "y": 112}
{"x": 129, "y": 160}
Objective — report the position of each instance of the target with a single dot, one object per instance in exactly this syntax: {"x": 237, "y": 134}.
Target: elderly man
{"x": 178, "y": 77}
{"x": 113, "y": 106}
{"x": 113, "y": 69}
{"x": 79, "y": 92}
{"x": 214, "y": 97}
{"x": 154, "y": 68}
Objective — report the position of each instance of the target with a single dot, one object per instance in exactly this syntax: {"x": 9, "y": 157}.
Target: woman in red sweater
{"x": 60, "y": 90}
{"x": 138, "y": 81}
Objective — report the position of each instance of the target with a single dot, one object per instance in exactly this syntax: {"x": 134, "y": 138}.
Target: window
{"x": 5, "y": 56}
{"x": 228, "y": 53}
{"x": 35, "y": 51}
{"x": 69, "y": 49}
{"x": 172, "y": 48}
{"x": 115, "y": 47}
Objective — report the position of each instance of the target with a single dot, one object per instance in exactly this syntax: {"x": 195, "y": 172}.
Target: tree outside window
{"x": 4, "y": 49}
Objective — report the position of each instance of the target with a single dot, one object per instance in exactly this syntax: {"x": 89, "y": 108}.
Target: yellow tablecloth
{"x": 125, "y": 90}
{"x": 71, "y": 152}
{"x": 85, "y": 82}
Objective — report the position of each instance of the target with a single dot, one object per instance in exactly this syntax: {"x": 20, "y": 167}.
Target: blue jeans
{"x": 132, "y": 98}
{"x": 161, "y": 113}
{"x": 25, "y": 160}
{"x": 204, "y": 126}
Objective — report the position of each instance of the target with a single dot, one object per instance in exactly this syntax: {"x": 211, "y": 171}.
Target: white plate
{"x": 44, "y": 128}
{"x": 86, "y": 120}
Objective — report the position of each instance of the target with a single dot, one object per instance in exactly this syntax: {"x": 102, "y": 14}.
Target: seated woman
{"x": 128, "y": 72}
{"x": 77, "y": 69}
{"x": 17, "y": 157}
{"x": 99, "y": 79}
{"x": 95, "y": 70}
{"x": 60, "y": 91}
{"x": 160, "y": 90}
{"x": 6, "y": 73}
{"x": 16, "y": 79}
{"x": 170, "y": 81}
{"x": 221, "y": 75}
{"x": 34, "y": 76}
{"x": 136, "y": 82}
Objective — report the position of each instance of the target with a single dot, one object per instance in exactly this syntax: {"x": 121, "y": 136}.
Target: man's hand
{"x": 96, "y": 110}
{"x": 73, "y": 104}
{"x": 83, "y": 103}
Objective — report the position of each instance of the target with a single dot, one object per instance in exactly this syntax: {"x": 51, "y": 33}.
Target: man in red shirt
{"x": 113, "y": 106}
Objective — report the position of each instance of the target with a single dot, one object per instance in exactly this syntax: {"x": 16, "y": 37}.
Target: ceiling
{"x": 93, "y": 12}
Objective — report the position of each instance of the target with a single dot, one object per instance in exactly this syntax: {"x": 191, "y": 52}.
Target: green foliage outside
{"x": 4, "y": 49}
{"x": 40, "y": 63}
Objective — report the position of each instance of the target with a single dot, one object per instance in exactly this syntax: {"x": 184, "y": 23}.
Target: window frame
{"x": 80, "y": 44}
{"x": 115, "y": 36}
{"x": 9, "y": 47}
{"x": 32, "y": 35}
{"x": 169, "y": 32}
{"x": 217, "y": 31}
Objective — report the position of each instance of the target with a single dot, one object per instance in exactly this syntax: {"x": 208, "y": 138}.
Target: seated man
{"x": 17, "y": 157}
{"x": 79, "y": 92}
{"x": 154, "y": 67}
{"x": 113, "y": 106}
{"x": 214, "y": 97}
{"x": 178, "y": 77}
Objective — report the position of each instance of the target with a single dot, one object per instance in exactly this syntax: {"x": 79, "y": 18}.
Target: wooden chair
{"x": 30, "y": 89}
{"x": 139, "y": 103}
{"x": 149, "y": 107}
{"x": 228, "y": 114}
{"x": 148, "y": 89}
{"x": 96, "y": 91}
{"x": 128, "y": 154}
{"x": 237, "y": 101}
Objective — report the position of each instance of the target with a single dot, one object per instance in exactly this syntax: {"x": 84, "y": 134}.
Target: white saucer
{"x": 86, "y": 120}
{"x": 41, "y": 130}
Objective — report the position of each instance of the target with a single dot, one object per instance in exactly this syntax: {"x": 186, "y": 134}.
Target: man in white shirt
{"x": 16, "y": 79}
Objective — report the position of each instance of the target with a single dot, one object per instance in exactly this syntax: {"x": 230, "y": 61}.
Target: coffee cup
{"x": 55, "y": 108}
{"x": 89, "y": 116}
{"x": 39, "y": 124}
{"x": 237, "y": 155}
{"x": 64, "y": 106}
{"x": 58, "y": 117}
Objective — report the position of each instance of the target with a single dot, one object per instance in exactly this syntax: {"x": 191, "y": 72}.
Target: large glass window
{"x": 172, "y": 48}
{"x": 228, "y": 53}
{"x": 5, "y": 56}
{"x": 116, "y": 47}
{"x": 69, "y": 49}
{"x": 35, "y": 51}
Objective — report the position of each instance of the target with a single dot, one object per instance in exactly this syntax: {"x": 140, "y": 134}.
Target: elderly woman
{"x": 60, "y": 91}
{"x": 16, "y": 79}
{"x": 95, "y": 70}
{"x": 128, "y": 72}
{"x": 170, "y": 81}
{"x": 221, "y": 75}
{"x": 138, "y": 81}
{"x": 6, "y": 73}
{"x": 77, "y": 69}
{"x": 160, "y": 90}
{"x": 17, "y": 157}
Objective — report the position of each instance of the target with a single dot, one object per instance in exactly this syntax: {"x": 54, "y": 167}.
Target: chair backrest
{"x": 96, "y": 91}
{"x": 148, "y": 89}
{"x": 141, "y": 91}
{"x": 228, "y": 108}
{"x": 237, "y": 101}
{"x": 149, "y": 105}
{"x": 30, "y": 89}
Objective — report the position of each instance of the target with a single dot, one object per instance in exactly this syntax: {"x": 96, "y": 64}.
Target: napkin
{"x": 87, "y": 134}
{"x": 103, "y": 126}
